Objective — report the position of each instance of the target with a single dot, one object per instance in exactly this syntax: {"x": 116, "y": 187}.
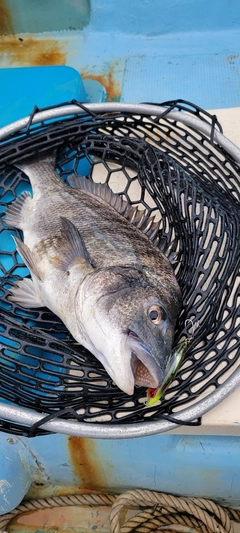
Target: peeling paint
{"x": 35, "y": 459}
{"x": 32, "y": 52}
{"x": 4, "y": 484}
{"x": 37, "y": 17}
{"x": 53, "y": 488}
{"x": 76, "y": 518}
{"x": 5, "y": 487}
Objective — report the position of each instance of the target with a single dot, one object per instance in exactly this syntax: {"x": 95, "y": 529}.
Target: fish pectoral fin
{"x": 25, "y": 293}
{"x": 28, "y": 257}
{"x": 14, "y": 211}
{"x": 76, "y": 254}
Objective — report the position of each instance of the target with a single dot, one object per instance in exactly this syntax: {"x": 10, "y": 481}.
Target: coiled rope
{"x": 162, "y": 512}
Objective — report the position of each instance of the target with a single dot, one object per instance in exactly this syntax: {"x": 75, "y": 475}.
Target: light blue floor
{"x": 211, "y": 81}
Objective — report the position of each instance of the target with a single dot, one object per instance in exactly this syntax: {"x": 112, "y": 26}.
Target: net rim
{"x": 29, "y": 416}
{"x": 148, "y": 109}
{"x": 124, "y": 431}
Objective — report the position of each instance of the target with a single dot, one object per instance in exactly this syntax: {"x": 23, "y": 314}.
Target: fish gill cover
{"x": 191, "y": 185}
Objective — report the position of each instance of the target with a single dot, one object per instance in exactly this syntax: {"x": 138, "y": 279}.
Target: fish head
{"x": 131, "y": 325}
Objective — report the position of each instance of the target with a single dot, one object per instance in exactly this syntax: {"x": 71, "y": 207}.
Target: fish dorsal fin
{"x": 138, "y": 218}
{"x": 101, "y": 190}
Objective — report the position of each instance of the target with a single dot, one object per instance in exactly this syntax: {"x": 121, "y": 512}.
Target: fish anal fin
{"x": 14, "y": 211}
{"x": 25, "y": 293}
{"x": 76, "y": 254}
{"x": 27, "y": 257}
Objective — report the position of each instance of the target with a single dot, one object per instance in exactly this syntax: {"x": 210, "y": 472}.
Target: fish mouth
{"x": 146, "y": 371}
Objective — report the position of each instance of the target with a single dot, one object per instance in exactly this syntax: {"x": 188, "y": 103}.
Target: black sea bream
{"x": 113, "y": 289}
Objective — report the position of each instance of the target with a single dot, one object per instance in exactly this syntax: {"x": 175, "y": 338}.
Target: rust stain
{"x": 86, "y": 463}
{"x": 5, "y": 19}
{"x": 48, "y": 490}
{"x": 108, "y": 81}
{"x": 32, "y": 52}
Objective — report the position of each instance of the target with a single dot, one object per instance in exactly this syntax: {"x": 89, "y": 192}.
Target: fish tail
{"x": 40, "y": 169}
{"x": 47, "y": 157}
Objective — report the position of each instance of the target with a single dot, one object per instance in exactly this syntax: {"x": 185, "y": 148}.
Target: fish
{"x": 93, "y": 262}
{"x": 173, "y": 365}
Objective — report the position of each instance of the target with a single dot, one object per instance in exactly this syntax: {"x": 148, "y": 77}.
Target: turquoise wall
{"x": 147, "y": 17}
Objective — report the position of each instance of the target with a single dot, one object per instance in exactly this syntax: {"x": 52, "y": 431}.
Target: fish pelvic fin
{"x": 75, "y": 254}
{"x": 25, "y": 293}
{"x": 27, "y": 257}
{"x": 14, "y": 211}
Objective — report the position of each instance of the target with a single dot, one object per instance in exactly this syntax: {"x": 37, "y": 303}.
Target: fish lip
{"x": 141, "y": 353}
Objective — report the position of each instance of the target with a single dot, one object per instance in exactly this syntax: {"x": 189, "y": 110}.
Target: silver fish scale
{"x": 194, "y": 195}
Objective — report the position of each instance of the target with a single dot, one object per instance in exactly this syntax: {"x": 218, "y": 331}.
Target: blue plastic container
{"x": 23, "y": 88}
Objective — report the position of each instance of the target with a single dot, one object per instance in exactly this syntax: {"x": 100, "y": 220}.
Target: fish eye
{"x": 156, "y": 314}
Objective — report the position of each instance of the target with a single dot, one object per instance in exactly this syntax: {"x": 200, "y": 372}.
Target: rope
{"x": 168, "y": 509}
{"x": 162, "y": 512}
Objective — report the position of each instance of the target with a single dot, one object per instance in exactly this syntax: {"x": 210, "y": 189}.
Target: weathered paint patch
{"x": 5, "y": 19}
{"x": 5, "y": 487}
{"x": 28, "y": 16}
{"x": 32, "y": 52}
{"x": 65, "y": 519}
{"x": 87, "y": 464}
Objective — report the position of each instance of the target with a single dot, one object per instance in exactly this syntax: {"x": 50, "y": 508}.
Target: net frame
{"x": 203, "y": 129}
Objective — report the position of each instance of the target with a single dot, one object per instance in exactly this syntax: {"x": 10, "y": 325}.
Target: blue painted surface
{"x": 194, "y": 466}
{"x": 156, "y": 17}
{"x": 194, "y": 78}
{"x": 200, "y": 66}
{"x": 191, "y": 465}
{"x": 15, "y": 472}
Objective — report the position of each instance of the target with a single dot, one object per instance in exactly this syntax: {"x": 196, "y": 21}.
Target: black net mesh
{"x": 192, "y": 186}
